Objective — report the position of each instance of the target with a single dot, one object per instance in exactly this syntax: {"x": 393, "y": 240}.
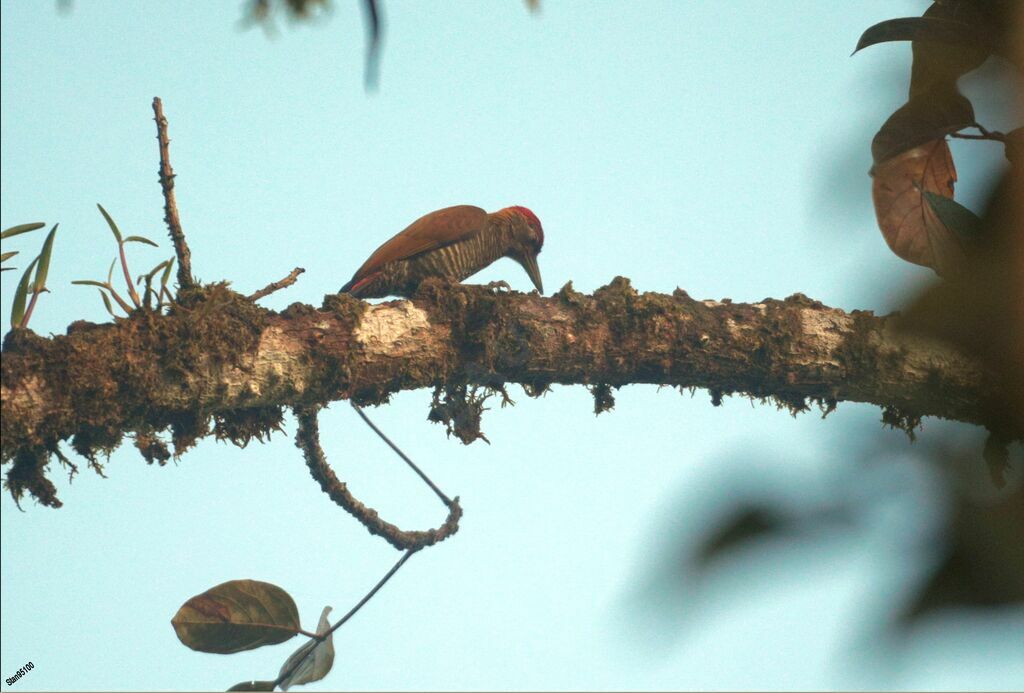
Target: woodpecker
{"x": 453, "y": 243}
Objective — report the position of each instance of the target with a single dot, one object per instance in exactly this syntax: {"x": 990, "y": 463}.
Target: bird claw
{"x": 498, "y": 287}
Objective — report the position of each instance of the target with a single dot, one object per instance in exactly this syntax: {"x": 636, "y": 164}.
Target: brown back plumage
{"x": 429, "y": 232}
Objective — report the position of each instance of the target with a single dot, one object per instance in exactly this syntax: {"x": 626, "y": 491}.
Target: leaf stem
{"x": 128, "y": 277}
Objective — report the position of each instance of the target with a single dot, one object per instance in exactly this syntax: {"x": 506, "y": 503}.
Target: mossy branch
{"x": 218, "y": 364}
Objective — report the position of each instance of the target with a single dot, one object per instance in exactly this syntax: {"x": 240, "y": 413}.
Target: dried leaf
{"x": 315, "y": 666}
{"x": 90, "y": 282}
{"x": 237, "y": 615}
{"x": 911, "y": 228}
{"x": 4, "y": 257}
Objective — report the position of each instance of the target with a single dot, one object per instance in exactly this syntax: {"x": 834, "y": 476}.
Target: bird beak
{"x": 529, "y": 263}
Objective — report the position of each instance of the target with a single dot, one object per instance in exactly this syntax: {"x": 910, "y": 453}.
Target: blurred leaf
{"x": 957, "y": 218}
{"x": 980, "y": 310}
{"x": 4, "y": 257}
{"x": 253, "y": 686}
{"x": 110, "y": 223}
{"x": 315, "y": 666}
{"x": 140, "y": 239}
{"x": 20, "y": 294}
{"x": 373, "y": 30}
{"x": 911, "y": 229}
{"x": 21, "y": 228}
{"x": 533, "y": 5}
{"x": 44, "y": 261}
{"x": 985, "y": 565}
{"x": 237, "y": 615}
{"x": 746, "y": 525}
{"x": 1014, "y": 146}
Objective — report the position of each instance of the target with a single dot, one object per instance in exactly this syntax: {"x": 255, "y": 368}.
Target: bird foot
{"x": 498, "y": 287}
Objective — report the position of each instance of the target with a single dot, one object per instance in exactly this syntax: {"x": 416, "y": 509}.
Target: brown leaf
{"x": 908, "y": 223}
{"x": 237, "y": 615}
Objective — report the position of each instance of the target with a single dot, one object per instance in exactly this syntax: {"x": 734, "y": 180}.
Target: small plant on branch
{"x": 20, "y": 315}
{"x": 107, "y": 290}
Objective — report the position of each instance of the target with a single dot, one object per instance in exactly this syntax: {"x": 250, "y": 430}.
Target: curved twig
{"x": 307, "y": 438}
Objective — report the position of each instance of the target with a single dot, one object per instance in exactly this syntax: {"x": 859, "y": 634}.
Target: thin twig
{"x": 274, "y": 286}
{"x": 986, "y": 134}
{"x": 433, "y": 487}
{"x": 351, "y": 612}
{"x": 185, "y": 280}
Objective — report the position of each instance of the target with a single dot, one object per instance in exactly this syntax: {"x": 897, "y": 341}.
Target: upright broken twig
{"x": 185, "y": 280}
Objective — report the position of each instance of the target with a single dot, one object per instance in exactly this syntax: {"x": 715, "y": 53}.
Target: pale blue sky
{"x": 721, "y": 147}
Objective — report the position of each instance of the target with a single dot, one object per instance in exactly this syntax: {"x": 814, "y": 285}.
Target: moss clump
{"x": 460, "y": 408}
{"x": 905, "y": 421}
{"x": 242, "y": 425}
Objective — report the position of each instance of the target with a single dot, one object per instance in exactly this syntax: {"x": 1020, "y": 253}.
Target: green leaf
{"x": 167, "y": 273}
{"x": 90, "y": 282}
{"x": 44, "y": 261}
{"x": 106, "y": 302}
{"x": 150, "y": 274}
{"x": 110, "y": 272}
{"x": 18, "y": 309}
{"x": 963, "y": 222}
{"x": 140, "y": 239}
{"x": 21, "y": 228}
{"x": 237, "y": 615}
{"x": 110, "y": 223}
{"x": 7, "y": 256}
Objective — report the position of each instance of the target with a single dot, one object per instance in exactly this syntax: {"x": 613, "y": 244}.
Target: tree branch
{"x": 219, "y": 362}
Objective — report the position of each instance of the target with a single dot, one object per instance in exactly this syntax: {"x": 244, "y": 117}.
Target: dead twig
{"x": 185, "y": 280}
{"x": 275, "y": 286}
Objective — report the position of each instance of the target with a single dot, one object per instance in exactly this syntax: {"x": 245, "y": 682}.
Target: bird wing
{"x": 429, "y": 232}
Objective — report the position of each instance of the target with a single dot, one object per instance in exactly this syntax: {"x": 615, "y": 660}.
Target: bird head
{"x": 526, "y": 242}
